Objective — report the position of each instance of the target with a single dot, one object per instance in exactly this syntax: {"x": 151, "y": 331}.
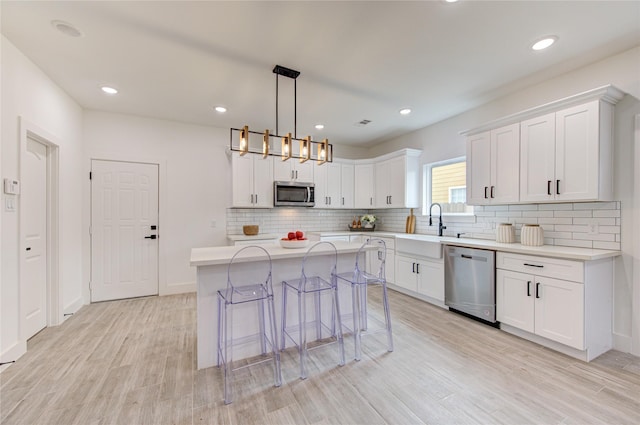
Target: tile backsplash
{"x": 586, "y": 224}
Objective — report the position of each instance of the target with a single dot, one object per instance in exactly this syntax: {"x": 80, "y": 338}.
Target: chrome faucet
{"x": 440, "y": 226}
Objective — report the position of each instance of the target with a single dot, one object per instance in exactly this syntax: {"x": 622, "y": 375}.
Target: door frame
{"x": 27, "y": 130}
{"x": 162, "y": 208}
{"x": 635, "y": 290}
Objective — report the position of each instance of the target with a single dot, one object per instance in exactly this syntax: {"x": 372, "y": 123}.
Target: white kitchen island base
{"x": 212, "y": 265}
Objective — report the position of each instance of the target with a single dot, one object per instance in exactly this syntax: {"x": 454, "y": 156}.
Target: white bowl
{"x": 294, "y": 243}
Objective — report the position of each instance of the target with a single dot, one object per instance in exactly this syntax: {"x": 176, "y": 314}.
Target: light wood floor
{"x": 133, "y": 362}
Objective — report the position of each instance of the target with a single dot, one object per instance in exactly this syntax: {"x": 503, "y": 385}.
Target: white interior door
{"x": 33, "y": 299}
{"x": 124, "y": 230}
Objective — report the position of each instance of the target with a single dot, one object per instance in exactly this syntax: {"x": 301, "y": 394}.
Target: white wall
{"x": 443, "y": 141}
{"x": 195, "y": 184}
{"x": 28, "y": 93}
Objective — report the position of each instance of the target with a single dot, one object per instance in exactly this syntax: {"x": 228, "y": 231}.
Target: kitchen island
{"x": 211, "y": 264}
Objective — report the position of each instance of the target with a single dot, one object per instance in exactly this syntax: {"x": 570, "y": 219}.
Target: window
{"x": 445, "y": 183}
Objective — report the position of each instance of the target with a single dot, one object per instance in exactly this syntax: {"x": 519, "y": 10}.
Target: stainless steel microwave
{"x": 293, "y": 194}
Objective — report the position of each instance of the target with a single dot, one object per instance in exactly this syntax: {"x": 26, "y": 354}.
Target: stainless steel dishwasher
{"x": 470, "y": 281}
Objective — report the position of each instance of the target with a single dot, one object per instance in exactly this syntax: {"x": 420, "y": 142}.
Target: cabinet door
{"x": 282, "y": 170}
{"x": 262, "y": 182}
{"x": 397, "y": 182}
{"x": 347, "y": 185}
{"x": 382, "y": 185}
{"x": 577, "y": 161}
{"x": 363, "y": 186}
{"x": 559, "y": 311}
{"x": 537, "y": 159}
{"x": 505, "y": 165}
{"x": 478, "y": 168}
{"x": 321, "y": 190}
{"x": 333, "y": 184}
{"x": 242, "y": 180}
{"x": 431, "y": 279}
{"x": 303, "y": 172}
{"x": 406, "y": 276}
{"x": 515, "y": 294}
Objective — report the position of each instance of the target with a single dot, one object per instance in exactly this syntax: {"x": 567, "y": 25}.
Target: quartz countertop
{"x": 258, "y": 237}
{"x": 555, "y": 251}
{"x": 216, "y": 255}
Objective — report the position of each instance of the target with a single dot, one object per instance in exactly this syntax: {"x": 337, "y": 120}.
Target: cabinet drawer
{"x": 541, "y": 266}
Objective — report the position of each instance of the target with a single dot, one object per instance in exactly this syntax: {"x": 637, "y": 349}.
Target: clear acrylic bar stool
{"x": 256, "y": 288}
{"x": 318, "y": 275}
{"x": 360, "y": 279}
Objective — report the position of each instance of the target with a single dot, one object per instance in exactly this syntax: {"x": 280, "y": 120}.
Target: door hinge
{"x": 90, "y": 175}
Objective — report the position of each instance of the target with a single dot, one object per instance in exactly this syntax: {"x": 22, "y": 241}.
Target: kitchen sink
{"x": 420, "y": 247}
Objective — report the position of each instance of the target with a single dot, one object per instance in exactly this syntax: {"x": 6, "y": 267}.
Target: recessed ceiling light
{"x": 405, "y": 111}
{"x": 67, "y": 29}
{"x": 451, "y": 1}
{"x": 319, "y": 126}
{"x": 221, "y": 109}
{"x": 109, "y": 90}
{"x": 544, "y": 42}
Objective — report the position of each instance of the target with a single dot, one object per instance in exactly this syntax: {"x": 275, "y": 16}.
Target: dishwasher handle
{"x": 470, "y": 257}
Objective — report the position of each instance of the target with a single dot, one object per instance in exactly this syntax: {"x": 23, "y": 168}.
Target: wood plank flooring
{"x": 133, "y": 362}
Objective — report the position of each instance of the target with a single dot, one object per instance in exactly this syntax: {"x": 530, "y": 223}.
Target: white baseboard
{"x": 14, "y": 352}
{"x": 178, "y": 288}
{"x": 71, "y": 308}
{"x": 622, "y": 343}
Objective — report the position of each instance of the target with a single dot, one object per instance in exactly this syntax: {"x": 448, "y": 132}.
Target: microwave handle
{"x": 308, "y": 194}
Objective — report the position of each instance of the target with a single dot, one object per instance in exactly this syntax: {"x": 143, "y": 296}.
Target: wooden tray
{"x": 362, "y": 229}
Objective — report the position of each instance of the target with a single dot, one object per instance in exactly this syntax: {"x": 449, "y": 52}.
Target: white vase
{"x": 368, "y": 225}
{"x": 531, "y": 235}
{"x": 505, "y": 233}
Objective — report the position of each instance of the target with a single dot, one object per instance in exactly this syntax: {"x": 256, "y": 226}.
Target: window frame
{"x": 426, "y": 181}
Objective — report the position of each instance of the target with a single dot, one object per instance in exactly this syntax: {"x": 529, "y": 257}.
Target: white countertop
{"x": 258, "y": 237}
{"x": 222, "y": 254}
{"x": 566, "y": 252}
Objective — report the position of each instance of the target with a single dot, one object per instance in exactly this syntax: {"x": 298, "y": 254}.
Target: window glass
{"x": 445, "y": 183}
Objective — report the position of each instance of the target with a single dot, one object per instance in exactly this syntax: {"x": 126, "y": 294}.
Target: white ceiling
{"x": 358, "y": 60}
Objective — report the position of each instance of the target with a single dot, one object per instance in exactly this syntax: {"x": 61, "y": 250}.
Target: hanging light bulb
{"x": 322, "y": 152}
{"x": 265, "y": 144}
{"x": 244, "y": 140}
{"x": 286, "y": 147}
{"x": 305, "y": 151}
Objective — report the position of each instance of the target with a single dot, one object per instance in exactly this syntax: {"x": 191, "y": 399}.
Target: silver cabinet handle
{"x": 557, "y": 187}
{"x": 256, "y": 198}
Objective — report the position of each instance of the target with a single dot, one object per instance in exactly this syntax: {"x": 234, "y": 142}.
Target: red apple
{"x": 299, "y": 234}
{"x": 291, "y": 235}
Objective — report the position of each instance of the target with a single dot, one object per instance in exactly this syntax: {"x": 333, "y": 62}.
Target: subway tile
{"x": 496, "y": 208}
{"x": 508, "y": 214}
{"x": 597, "y": 237}
{"x": 555, "y": 220}
{"x": 572, "y": 228}
{"x": 558, "y": 235}
{"x": 607, "y": 221}
{"x": 527, "y": 207}
{"x": 606, "y": 245}
{"x": 606, "y": 213}
{"x": 609, "y": 229}
{"x": 555, "y": 207}
{"x": 575, "y": 243}
{"x": 573, "y": 213}
{"x": 537, "y": 213}
{"x": 596, "y": 206}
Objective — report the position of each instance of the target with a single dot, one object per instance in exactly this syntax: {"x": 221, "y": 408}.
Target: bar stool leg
{"x": 227, "y": 355}
{"x": 355, "y": 297}
{"x": 283, "y": 342}
{"x": 302, "y": 347}
{"x": 318, "y": 311}
{"x": 263, "y": 332}
{"x": 274, "y": 345}
{"x": 387, "y": 317}
{"x": 336, "y": 309}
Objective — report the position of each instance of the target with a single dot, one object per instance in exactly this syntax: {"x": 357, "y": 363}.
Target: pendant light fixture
{"x": 306, "y": 148}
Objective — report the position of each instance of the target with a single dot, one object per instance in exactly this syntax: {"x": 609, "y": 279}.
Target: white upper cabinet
{"x": 364, "y": 186}
{"x": 292, "y": 170}
{"x": 396, "y": 181}
{"x": 561, "y": 152}
{"x": 566, "y": 155}
{"x": 493, "y": 166}
{"x": 334, "y": 185}
{"x": 252, "y": 181}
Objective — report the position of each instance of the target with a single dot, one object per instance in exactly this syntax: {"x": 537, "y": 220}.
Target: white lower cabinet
{"x": 574, "y": 311}
{"x": 373, "y": 263}
{"x": 420, "y": 275}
